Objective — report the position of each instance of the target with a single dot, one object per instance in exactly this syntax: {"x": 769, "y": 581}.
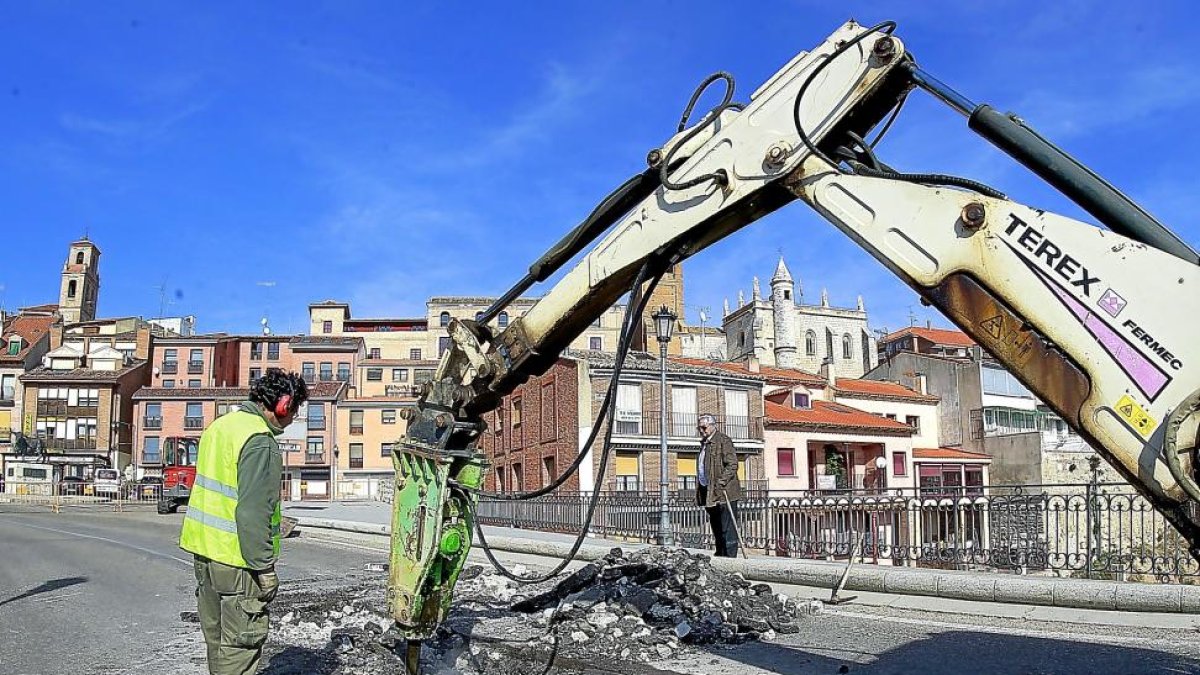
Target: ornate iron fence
{"x": 1096, "y": 531}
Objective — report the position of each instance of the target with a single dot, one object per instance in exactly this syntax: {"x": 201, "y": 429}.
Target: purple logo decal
{"x": 1112, "y": 303}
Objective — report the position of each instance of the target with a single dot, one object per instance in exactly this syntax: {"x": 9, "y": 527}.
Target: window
{"x": 549, "y": 472}
{"x": 168, "y": 384}
{"x": 810, "y": 343}
{"x": 399, "y": 375}
{"x": 385, "y": 450}
{"x": 598, "y": 322}
{"x": 786, "y": 461}
{"x": 316, "y": 416}
{"x": 737, "y": 413}
{"x": 414, "y": 354}
{"x": 151, "y": 450}
{"x": 890, "y": 416}
{"x": 518, "y": 477}
{"x": 516, "y": 411}
{"x": 847, "y": 347}
{"x": 193, "y": 417}
{"x": 913, "y": 421}
{"x": 422, "y": 375}
{"x": 314, "y": 450}
{"x": 327, "y": 327}
{"x": 596, "y": 344}
{"x": 502, "y": 321}
{"x": 374, "y": 374}
{"x": 356, "y": 455}
{"x": 343, "y": 372}
{"x": 71, "y": 288}
{"x": 1001, "y": 382}
{"x": 801, "y": 401}
{"x": 374, "y": 354}
{"x": 629, "y": 409}
{"x": 627, "y": 471}
{"x": 444, "y": 319}
{"x": 443, "y": 345}
{"x": 153, "y": 419}
{"x": 387, "y": 416}
{"x": 787, "y": 295}
{"x": 226, "y": 407}
{"x": 255, "y": 374}
{"x": 7, "y": 386}
{"x": 683, "y": 411}
{"x": 79, "y": 258}
{"x": 272, "y": 351}
{"x": 256, "y": 351}
{"x": 549, "y": 416}
{"x": 14, "y": 346}
{"x": 356, "y": 422}
{"x": 500, "y": 479}
{"x": 327, "y": 371}
{"x": 685, "y": 468}
{"x": 900, "y": 463}
{"x": 193, "y": 384}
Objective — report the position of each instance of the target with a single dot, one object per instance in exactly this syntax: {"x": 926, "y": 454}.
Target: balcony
{"x": 356, "y": 430}
{"x": 647, "y": 423}
{"x": 315, "y": 458}
{"x": 326, "y": 377}
{"x": 193, "y": 423}
{"x": 356, "y": 462}
{"x": 151, "y": 422}
{"x": 169, "y": 367}
{"x": 316, "y": 424}
{"x": 343, "y": 376}
{"x": 195, "y": 367}
{"x": 69, "y": 444}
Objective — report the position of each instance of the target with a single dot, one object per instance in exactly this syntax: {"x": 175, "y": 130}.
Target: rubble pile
{"x": 630, "y": 608}
{"x": 644, "y": 604}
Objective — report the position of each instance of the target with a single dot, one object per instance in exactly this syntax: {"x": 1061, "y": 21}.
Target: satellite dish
{"x": 264, "y": 321}
{"x": 703, "y": 316}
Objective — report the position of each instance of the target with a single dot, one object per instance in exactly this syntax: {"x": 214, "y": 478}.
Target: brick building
{"x": 24, "y": 340}
{"x": 538, "y": 430}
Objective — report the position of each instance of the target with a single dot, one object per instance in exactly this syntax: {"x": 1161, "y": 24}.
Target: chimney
{"x": 928, "y": 323}
{"x": 752, "y": 364}
{"x": 56, "y": 336}
{"x": 921, "y": 383}
{"x": 826, "y": 373}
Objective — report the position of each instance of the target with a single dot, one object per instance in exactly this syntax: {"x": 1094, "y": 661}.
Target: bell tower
{"x": 80, "y": 283}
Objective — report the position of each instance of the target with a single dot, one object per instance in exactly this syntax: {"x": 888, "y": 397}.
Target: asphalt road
{"x": 100, "y": 592}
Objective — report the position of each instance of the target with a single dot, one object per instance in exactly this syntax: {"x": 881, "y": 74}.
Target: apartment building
{"x": 540, "y": 427}
{"x": 372, "y": 426}
{"x": 983, "y": 409}
{"x": 24, "y": 340}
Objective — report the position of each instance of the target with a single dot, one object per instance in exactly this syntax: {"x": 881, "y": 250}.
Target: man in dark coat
{"x": 717, "y": 487}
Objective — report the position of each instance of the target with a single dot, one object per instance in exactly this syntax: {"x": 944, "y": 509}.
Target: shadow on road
{"x": 955, "y": 652}
{"x": 47, "y": 587}
{"x": 294, "y": 660}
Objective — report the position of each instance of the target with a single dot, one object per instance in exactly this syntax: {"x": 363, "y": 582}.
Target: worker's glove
{"x": 268, "y": 581}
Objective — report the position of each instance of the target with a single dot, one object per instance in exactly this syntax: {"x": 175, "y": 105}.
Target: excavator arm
{"x": 1096, "y": 322}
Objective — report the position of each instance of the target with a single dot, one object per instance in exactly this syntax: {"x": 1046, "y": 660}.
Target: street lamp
{"x": 880, "y": 471}
{"x": 664, "y": 324}
{"x": 333, "y": 473}
{"x": 881, "y": 465}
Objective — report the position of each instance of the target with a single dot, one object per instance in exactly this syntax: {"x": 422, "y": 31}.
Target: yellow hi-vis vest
{"x": 210, "y": 527}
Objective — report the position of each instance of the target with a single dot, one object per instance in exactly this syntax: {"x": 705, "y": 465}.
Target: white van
{"x": 107, "y": 482}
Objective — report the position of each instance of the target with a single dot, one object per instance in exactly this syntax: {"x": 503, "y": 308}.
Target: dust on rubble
{"x": 628, "y": 612}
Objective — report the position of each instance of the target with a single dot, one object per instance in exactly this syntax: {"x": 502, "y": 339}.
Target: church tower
{"x": 783, "y": 307}
{"x": 80, "y": 283}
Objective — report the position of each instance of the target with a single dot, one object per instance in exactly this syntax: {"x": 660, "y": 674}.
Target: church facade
{"x": 780, "y": 330}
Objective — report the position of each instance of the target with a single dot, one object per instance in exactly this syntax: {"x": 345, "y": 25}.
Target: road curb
{"x": 1023, "y": 590}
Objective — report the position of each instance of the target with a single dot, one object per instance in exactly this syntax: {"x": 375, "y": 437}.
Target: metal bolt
{"x": 776, "y": 155}
{"x": 654, "y": 158}
{"x": 973, "y": 215}
{"x": 443, "y": 420}
{"x": 885, "y": 48}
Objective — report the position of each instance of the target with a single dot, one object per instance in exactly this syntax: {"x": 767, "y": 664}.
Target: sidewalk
{"x": 374, "y": 518}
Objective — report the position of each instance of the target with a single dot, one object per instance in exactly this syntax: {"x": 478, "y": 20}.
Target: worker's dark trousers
{"x": 721, "y": 521}
{"x": 233, "y": 616}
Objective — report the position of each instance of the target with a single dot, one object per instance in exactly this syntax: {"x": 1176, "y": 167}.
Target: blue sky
{"x": 256, "y": 159}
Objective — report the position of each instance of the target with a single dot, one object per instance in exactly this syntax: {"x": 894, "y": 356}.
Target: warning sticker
{"x": 1136, "y": 416}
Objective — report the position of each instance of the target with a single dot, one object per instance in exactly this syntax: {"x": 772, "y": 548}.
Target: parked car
{"x": 108, "y": 482}
{"x": 72, "y": 486}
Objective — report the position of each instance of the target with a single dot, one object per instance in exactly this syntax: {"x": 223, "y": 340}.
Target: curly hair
{"x": 275, "y": 384}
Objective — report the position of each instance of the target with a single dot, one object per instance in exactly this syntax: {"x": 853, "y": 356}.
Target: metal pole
{"x": 664, "y": 514}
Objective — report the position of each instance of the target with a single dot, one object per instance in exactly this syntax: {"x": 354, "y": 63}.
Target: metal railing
{"x": 76, "y": 492}
{"x": 195, "y": 367}
{"x": 193, "y": 423}
{"x": 151, "y": 422}
{"x": 1094, "y": 531}
{"x": 170, "y": 367}
{"x": 683, "y": 425}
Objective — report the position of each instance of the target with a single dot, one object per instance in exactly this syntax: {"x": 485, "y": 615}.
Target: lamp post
{"x": 880, "y": 471}
{"x": 333, "y": 473}
{"x": 664, "y": 324}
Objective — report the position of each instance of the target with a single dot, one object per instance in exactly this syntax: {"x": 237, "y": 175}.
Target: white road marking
{"x": 186, "y": 563}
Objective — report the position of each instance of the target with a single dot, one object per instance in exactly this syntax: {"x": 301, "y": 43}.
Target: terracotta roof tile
{"x": 771, "y": 374}
{"x": 837, "y": 415}
{"x": 949, "y": 453}
{"x": 941, "y": 336}
{"x": 31, "y": 330}
{"x": 880, "y": 389}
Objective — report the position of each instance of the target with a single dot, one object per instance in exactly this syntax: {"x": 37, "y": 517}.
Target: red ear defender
{"x": 283, "y": 406}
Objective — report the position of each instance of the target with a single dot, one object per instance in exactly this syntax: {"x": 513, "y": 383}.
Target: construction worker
{"x": 233, "y": 518}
